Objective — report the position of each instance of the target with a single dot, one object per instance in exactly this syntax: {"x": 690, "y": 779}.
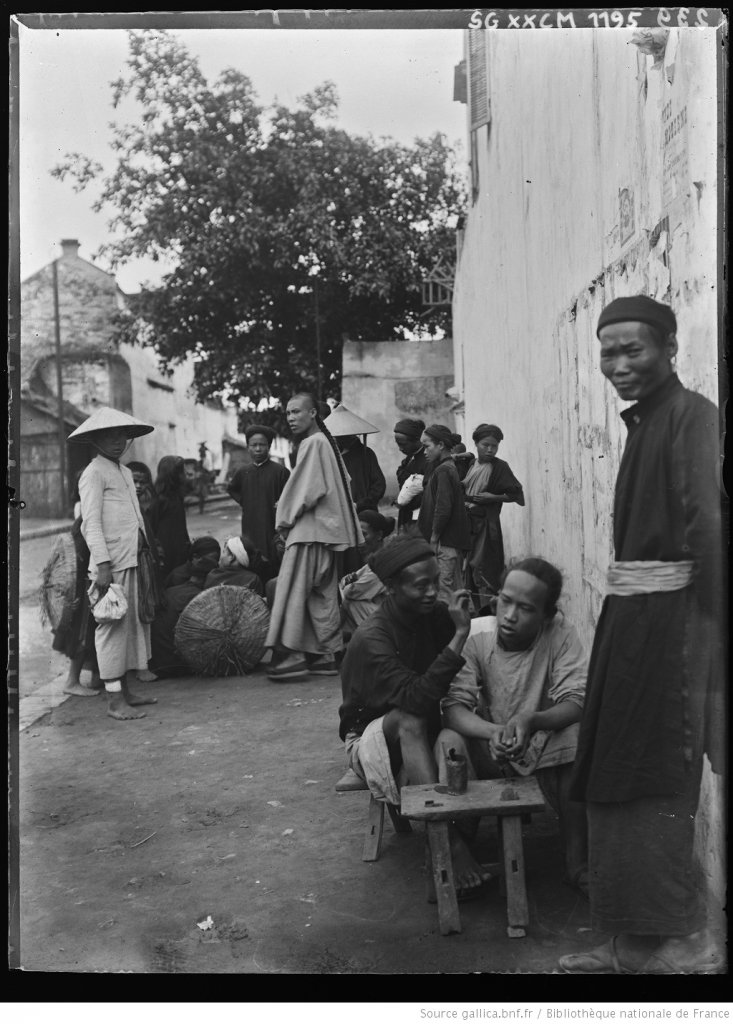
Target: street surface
{"x": 219, "y": 806}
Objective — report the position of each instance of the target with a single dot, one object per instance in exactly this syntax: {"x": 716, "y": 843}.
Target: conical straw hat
{"x": 105, "y": 418}
{"x": 342, "y": 423}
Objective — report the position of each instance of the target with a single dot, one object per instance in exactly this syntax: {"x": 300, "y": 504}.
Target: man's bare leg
{"x": 73, "y": 680}
{"x": 573, "y": 829}
{"x": 408, "y": 734}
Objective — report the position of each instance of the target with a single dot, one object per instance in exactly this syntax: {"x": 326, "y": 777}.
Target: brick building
{"x": 96, "y": 371}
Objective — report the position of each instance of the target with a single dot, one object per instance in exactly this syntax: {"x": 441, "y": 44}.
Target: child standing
{"x": 113, "y": 528}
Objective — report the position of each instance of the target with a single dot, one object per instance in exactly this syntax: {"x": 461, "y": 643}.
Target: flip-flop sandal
{"x": 297, "y": 671}
{"x": 323, "y": 668}
{"x": 709, "y": 963}
{"x": 590, "y": 963}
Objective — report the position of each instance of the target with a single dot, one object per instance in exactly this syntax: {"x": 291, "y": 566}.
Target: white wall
{"x": 386, "y": 381}
{"x": 576, "y": 117}
{"x": 180, "y": 422}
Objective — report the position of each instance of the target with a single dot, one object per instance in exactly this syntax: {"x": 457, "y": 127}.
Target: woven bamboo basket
{"x": 57, "y": 592}
{"x": 222, "y": 631}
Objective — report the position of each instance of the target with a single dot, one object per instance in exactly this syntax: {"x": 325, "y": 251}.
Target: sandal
{"x": 709, "y": 962}
{"x": 602, "y": 960}
{"x": 298, "y": 670}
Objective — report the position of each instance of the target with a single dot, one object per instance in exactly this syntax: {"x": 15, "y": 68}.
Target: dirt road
{"x": 207, "y": 838}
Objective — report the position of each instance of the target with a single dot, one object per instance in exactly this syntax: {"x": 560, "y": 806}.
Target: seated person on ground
{"x": 514, "y": 707}
{"x": 398, "y": 665}
{"x": 362, "y": 591}
{"x": 165, "y": 661}
{"x": 201, "y": 546}
{"x": 233, "y": 569}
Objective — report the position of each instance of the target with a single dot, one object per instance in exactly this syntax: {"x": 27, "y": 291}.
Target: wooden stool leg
{"x": 375, "y": 827}
{"x": 400, "y": 824}
{"x": 448, "y": 916}
{"x": 516, "y": 890}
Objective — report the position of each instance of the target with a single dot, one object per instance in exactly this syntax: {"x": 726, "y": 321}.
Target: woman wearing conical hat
{"x": 112, "y": 524}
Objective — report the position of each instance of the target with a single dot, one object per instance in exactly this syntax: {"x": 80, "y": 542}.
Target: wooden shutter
{"x": 478, "y": 79}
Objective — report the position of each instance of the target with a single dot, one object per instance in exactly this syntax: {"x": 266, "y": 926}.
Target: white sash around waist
{"x": 628, "y": 578}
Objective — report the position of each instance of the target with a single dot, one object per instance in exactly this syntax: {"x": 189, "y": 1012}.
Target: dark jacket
{"x": 367, "y": 479}
{"x": 655, "y": 683}
{"x": 442, "y": 510}
{"x": 235, "y": 576}
{"x": 411, "y": 464}
{"x": 396, "y": 662}
{"x": 167, "y": 518}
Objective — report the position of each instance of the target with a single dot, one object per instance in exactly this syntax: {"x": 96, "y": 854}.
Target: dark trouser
{"x": 642, "y": 874}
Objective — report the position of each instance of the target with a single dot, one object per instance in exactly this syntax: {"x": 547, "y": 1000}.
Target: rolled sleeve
{"x": 466, "y": 687}
{"x": 569, "y": 672}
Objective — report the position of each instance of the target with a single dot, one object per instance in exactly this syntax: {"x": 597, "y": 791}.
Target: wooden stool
{"x": 351, "y": 783}
{"x": 509, "y": 800}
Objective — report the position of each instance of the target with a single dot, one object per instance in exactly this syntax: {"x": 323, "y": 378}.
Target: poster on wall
{"x": 675, "y": 150}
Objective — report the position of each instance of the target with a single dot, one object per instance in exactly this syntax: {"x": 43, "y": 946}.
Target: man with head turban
{"x": 257, "y": 487}
{"x": 236, "y": 567}
{"x": 407, "y": 436}
{"x": 489, "y": 484}
{"x": 398, "y": 665}
{"x": 654, "y": 683}
{"x": 443, "y": 520}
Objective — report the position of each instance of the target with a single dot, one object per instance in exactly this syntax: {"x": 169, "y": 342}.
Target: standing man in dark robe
{"x": 407, "y": 436}
{"x": 257, "y": 489}
{"x": 367, "y": 479}
{"x": 655, "y": 669}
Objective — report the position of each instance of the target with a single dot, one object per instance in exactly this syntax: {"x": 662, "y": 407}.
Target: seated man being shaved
{"x": 514, "y": 707}
{"x": 398, "y": 665}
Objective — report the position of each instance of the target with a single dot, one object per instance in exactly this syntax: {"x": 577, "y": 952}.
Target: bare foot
{"x": 77, "y": 690}
{"x": 96, "y": 683}
{"x": 133, "y": 700}
{"x": 686, "y": 954}
{"x": 144, "y": 676}
{"x": 117, "y": 707}
{"x": 467, "y": 872}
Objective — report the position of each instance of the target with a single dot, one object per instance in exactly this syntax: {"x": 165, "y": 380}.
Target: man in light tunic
{"x": 317, "y": 521}
{"x": 514, "y": 707}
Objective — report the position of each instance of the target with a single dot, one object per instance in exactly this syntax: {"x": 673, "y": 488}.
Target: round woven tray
{"x": 222, "y": 631}
{"x": 58, "y": 584}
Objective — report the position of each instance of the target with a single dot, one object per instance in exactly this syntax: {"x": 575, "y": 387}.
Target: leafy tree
{"x": 286, "y": 234}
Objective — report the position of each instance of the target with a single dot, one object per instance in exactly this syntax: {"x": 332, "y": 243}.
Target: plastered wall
{"x": 597, "y": 178}
{"x": 386, "y": 381}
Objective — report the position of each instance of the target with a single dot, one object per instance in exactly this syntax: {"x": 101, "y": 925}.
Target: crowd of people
{"x": 441, "y": 645}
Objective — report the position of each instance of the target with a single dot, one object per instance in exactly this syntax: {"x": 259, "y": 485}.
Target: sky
{"x": 396, "y": 83}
